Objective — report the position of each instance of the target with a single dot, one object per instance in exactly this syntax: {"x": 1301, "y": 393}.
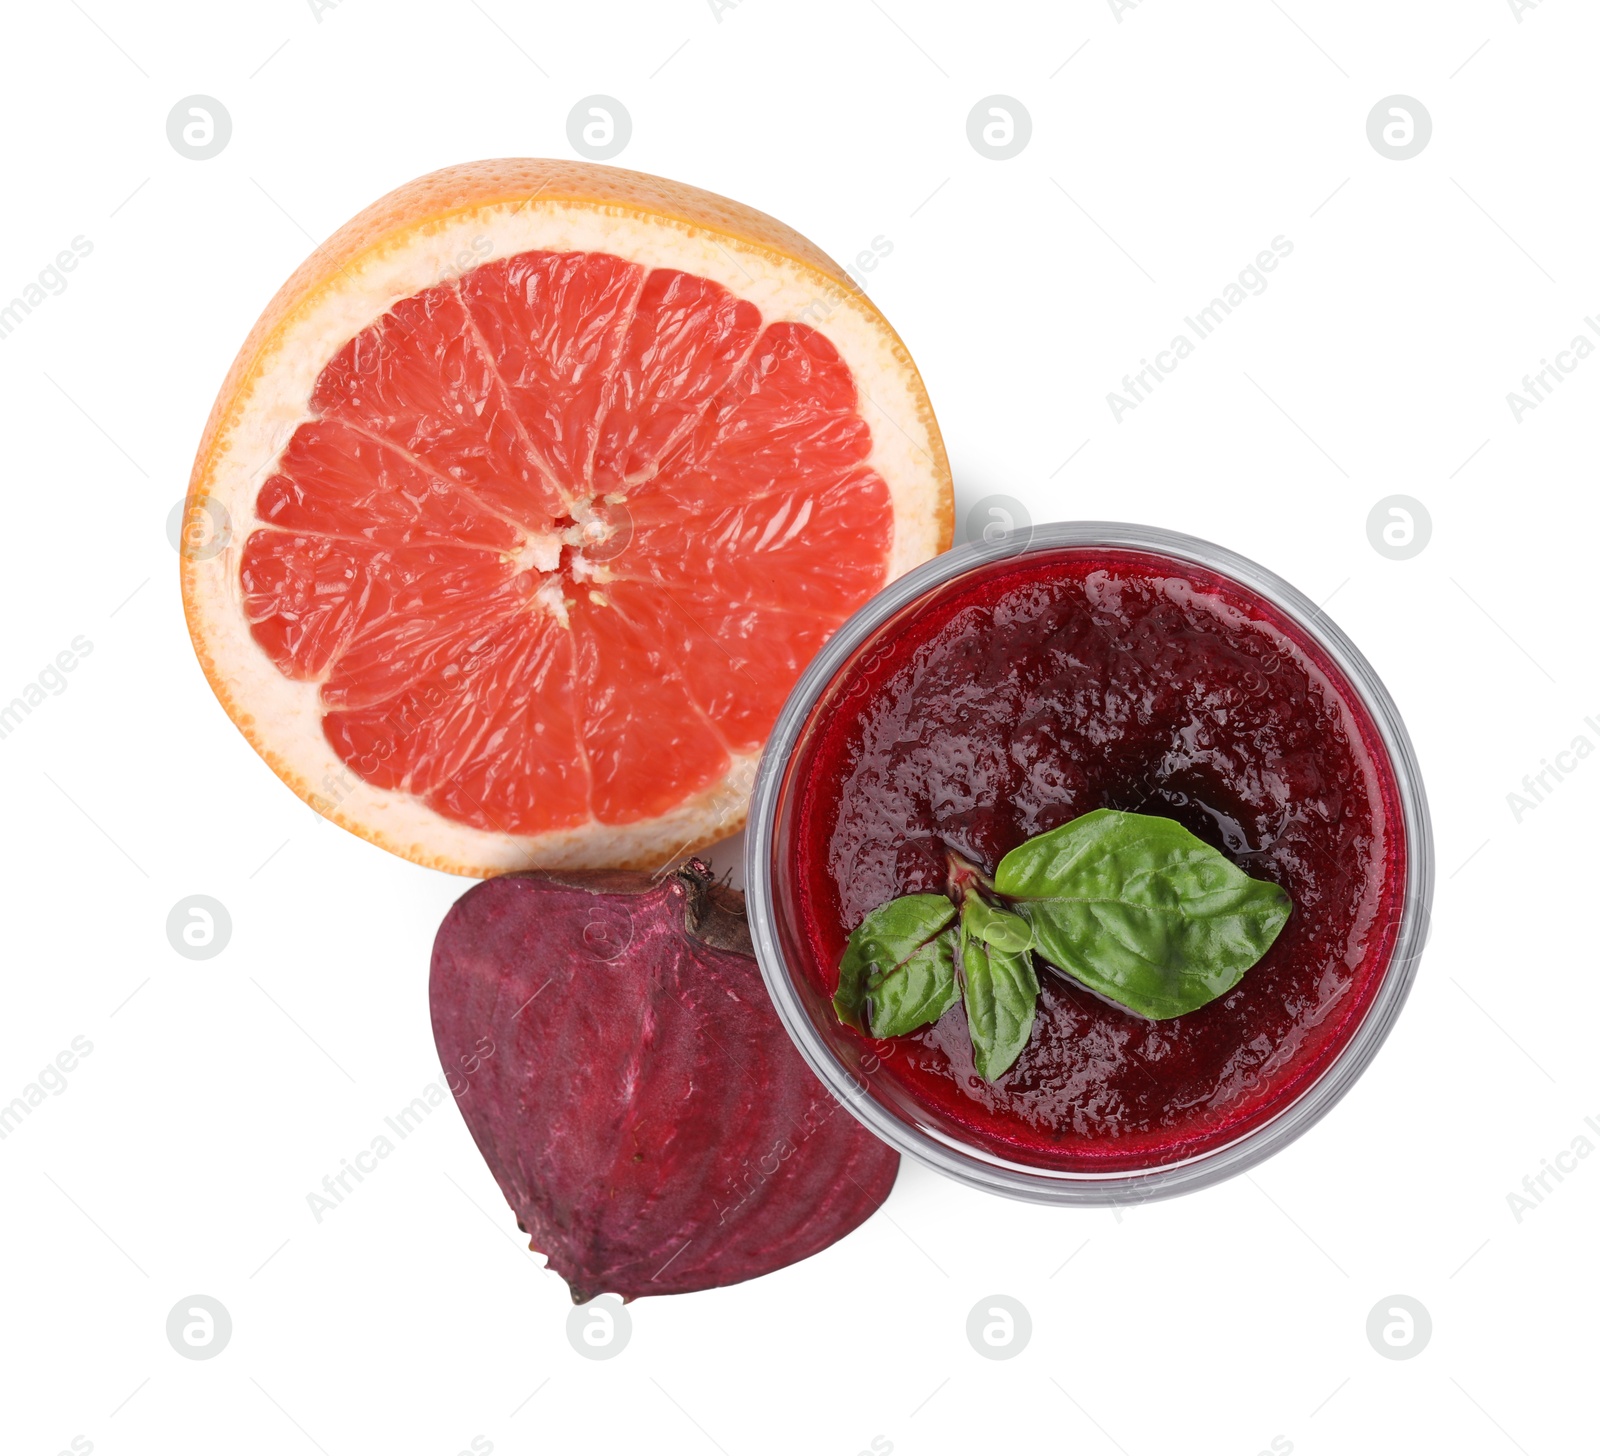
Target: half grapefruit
{"x": 530, "y": 495}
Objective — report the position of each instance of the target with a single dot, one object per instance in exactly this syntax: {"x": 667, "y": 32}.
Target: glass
{"x": 850, "y": 1070}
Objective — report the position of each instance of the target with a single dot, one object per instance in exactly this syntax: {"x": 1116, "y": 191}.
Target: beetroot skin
{"x": 614, "y": 1053}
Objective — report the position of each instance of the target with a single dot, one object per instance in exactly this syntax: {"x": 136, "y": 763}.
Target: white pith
{"x": 283, "y": 718}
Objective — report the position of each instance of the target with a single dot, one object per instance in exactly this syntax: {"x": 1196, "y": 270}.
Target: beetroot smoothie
{"x": 1042, "y": 687}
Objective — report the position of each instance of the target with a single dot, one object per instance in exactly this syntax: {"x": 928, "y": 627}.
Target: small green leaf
{"x": 1002, "y": 993}
{"x": 1140, "y": 910}
{"x": 898, "y": 969}
{"x": 918, "y": 992}
{"x": 999, "y": 929}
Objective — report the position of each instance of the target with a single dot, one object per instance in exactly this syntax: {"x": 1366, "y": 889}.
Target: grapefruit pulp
{"x": 544, "y": 481}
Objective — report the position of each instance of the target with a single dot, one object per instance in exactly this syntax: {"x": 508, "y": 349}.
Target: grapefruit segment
{"x": 789, "y": 413}
{"x": 529, "y": 763}
{"x": 552, "y": 324}
{"x": 649, "y": 744}
{"x": 486, "y": 737}
{"x": 419, "y": 379}
{"x": 759, "y": 652}
{"x": 304, "y": 597}
{"x": 335, "y": 481}
{"x": 818, "y": 549}
{"x": 687, "y": 337}
{"x": 534, "y": 551}
{"x": 436, "y": 616}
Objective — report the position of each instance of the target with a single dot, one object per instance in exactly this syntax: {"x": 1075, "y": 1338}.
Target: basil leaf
{"x": 997, "y": 928}
{"x": 918, "y": 992}
{"x": 1138, "y": 909}
{"x": 899, "y": 966}
{"x": 1002, "y": 993}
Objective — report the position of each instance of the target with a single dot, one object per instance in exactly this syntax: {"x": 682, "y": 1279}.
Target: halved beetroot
{"x": 617, "y": 1060}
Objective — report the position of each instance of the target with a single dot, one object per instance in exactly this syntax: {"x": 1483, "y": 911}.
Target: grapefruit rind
{"x": 433, "y": 231}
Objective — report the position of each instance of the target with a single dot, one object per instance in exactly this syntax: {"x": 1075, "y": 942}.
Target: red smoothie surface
{"x": 1047, "y": 685}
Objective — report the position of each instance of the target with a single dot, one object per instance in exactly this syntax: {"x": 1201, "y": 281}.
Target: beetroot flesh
{"x": 641, "y": 1107}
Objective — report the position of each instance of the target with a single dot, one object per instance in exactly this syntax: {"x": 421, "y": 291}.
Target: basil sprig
{"x": 1133, "y": 906}
{"x": 999, "y": 985}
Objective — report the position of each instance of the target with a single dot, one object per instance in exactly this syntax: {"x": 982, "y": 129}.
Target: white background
{"x": 1169, "y": 146}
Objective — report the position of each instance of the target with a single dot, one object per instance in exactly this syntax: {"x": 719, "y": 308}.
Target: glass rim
{"x": 967, "y": 1163}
